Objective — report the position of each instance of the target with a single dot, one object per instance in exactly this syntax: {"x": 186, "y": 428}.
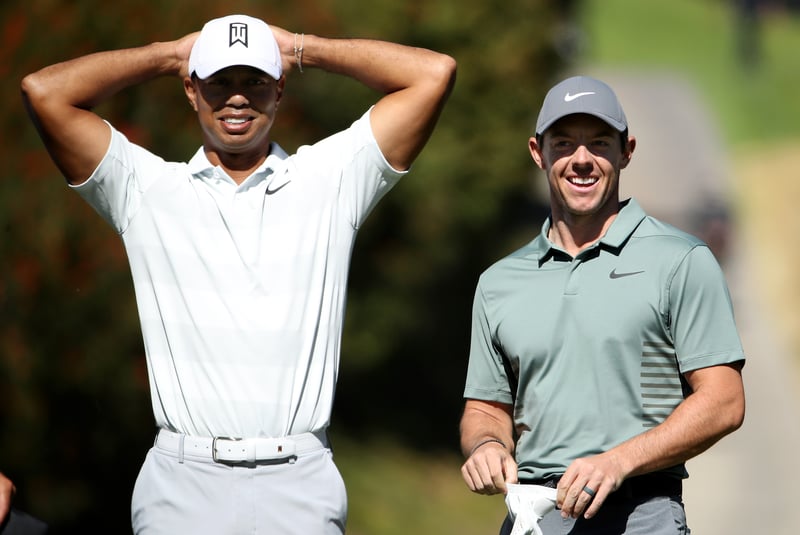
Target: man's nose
{"x": 582, "y": 155}
{"x": 237, "y": 98}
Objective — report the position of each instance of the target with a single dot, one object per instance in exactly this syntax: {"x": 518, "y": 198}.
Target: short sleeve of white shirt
{"x": 241, "y": 287}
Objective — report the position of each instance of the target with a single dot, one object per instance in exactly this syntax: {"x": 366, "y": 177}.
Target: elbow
{"x": 721, "y": 397}
{"x": 29, "y": 86}
{"x": 737, "y": 406}
{"x": 448, "y": 66}
{"x": 446, "y": 71}
{"x": 736, "y": 415}
{"x": 731, "y": 417}
{"x": 437, "y": 75}
{"x": 32, "y": 91}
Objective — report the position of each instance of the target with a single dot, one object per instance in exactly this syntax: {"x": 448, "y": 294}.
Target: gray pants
{"x": 199, "y": 496}
{"x": 657, "y": 516}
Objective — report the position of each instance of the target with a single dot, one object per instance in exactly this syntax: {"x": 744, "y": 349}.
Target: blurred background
{"x": 710, "y": 88}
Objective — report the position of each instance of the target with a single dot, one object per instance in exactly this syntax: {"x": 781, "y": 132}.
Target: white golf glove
{"x": 527, "y": 504}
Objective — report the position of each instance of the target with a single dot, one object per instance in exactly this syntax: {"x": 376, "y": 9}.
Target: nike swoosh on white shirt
{"x": 570, "y": 98}
{"x": 273, "y": 191}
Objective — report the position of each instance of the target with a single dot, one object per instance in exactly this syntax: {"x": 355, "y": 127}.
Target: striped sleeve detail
{"x": 661, "y": 385}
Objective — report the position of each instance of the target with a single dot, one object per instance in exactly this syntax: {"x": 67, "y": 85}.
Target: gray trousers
{"x": 198, "y": 496}
{"x": 661, "y": 515}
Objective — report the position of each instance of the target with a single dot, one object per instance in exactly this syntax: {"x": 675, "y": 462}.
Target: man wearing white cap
{"x": 604, "y": 353}
{"x": 240, "y": 257}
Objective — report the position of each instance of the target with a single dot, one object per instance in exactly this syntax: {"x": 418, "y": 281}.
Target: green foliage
{"x": 750, "y": 80}
{"x": 419, "y": 256}
{"x": 75, "y": 419}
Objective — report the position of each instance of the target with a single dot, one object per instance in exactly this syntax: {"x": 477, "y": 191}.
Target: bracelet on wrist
{"x": 484, "y": 442}
{"x": 298, "y": 51}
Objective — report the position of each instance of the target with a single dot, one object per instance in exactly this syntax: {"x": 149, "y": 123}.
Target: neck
{"x": 574, "y": 233}
{"x": 238, "y": 163}
{"x": 239, "y": 166}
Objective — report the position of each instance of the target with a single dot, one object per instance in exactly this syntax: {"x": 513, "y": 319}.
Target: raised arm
{"x": 416, "y": 83}
{"x": 60, "y": 98}
{"x": 487, "y": 442}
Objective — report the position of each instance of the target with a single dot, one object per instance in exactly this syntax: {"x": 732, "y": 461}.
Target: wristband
{"x": 484, "y": 442}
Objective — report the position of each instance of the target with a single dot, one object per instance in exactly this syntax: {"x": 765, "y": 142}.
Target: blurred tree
{"x": 75, "y": 418}
{"x": 468, "y": 202}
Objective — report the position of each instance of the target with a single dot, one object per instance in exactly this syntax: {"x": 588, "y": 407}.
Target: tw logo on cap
{"x": 237, "y": 34}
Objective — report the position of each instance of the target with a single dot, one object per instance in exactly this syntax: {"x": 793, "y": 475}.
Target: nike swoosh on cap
{"x": 570, "y": 98}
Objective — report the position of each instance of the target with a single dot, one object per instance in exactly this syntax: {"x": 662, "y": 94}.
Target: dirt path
{"x": 747, "y": 483}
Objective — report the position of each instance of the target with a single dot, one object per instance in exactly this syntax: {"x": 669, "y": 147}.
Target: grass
{"x": 395, "y": 491}
{"x": 699, "y": 39}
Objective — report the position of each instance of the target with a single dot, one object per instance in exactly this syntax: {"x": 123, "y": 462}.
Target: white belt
{"x": 241, "y": 450}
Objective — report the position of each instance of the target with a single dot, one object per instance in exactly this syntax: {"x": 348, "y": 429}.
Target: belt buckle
{"x": 254, "y": 450}
{"x": 214, "y": 448}
{"x": 282, "y": 449}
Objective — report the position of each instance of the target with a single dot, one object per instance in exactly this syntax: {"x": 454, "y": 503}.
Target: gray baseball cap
{"x": 581, "y": 94}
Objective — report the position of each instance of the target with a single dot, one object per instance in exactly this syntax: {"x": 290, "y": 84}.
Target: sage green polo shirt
{"x": 591, "y": 350}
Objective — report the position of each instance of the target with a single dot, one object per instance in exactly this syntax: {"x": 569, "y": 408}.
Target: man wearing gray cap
{"x": 604, "y": 353}
{"x": 240, "y": 257}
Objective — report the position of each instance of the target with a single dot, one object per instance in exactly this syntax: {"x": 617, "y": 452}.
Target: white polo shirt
{"x": 241, "y": 289}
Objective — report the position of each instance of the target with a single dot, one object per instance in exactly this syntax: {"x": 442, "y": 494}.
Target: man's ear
{"x": 627, "y": 152}
{"x": 536, "y": 152}
{"x": 191, "y": 92}
{"x": 281, "y": 86}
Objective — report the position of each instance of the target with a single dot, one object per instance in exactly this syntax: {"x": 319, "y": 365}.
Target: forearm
{"x": 59, "y": 98}
{"x": 87, "y": 81}
{"x": 483, "y": 422}
{"x": 383, "y": 66}
{"x": 415, "y": 84}
{"x": 703, "y": 418}
{"x": 488, "y": 446}
{"x": 714, "y": 409}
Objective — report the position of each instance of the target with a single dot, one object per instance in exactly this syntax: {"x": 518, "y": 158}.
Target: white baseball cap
{"x": 581, "y": 94}
{"x": 235, "y": 40}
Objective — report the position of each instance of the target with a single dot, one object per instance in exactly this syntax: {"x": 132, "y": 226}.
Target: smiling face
{"x": 236, "y": 108}
{"x": 582, "y": 157}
